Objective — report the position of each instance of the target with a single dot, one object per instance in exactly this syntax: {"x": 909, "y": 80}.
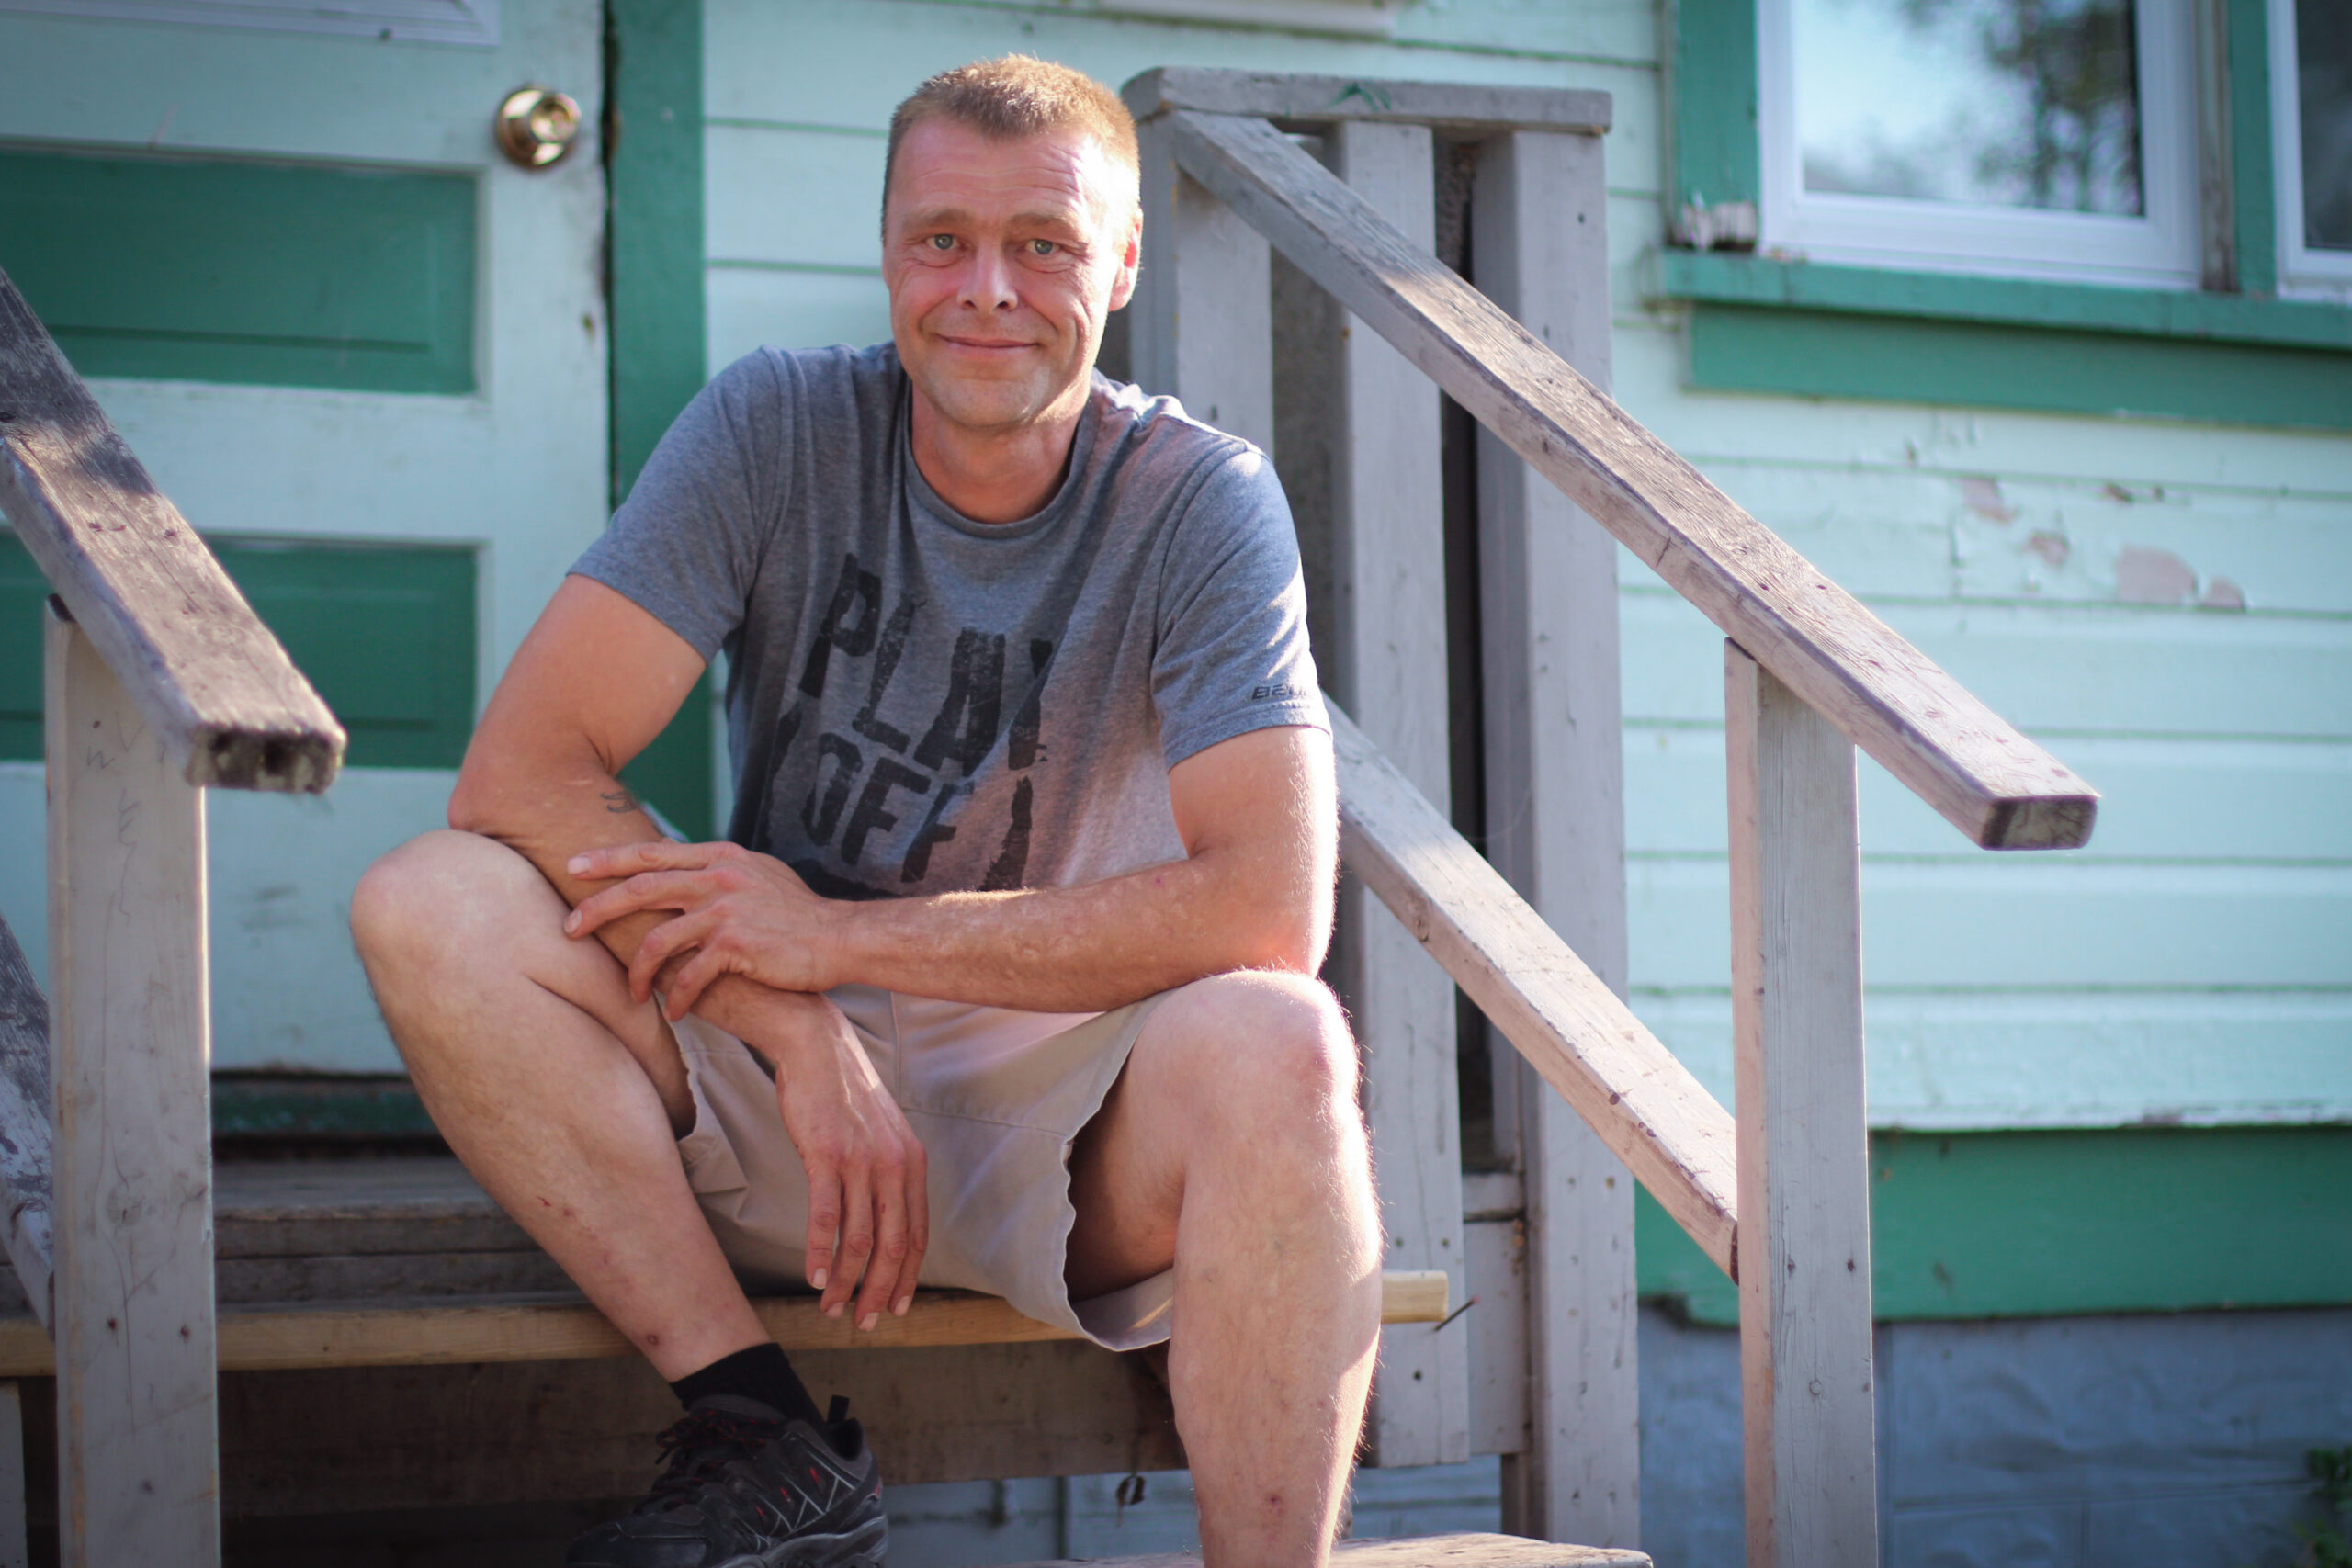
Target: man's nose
{"x": 988, "y": 282}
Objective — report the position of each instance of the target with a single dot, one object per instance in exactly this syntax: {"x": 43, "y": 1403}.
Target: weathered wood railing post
{"x": 1389, "y": 670}
{"x": 1827, "y": 676}
{"x": 160, "y": 683}
{"x": 1805, "y": 1275}
{"x": 1204, "y": 314}
{"x": 1555, "y": 826}
{"x": 131, "y": 1054}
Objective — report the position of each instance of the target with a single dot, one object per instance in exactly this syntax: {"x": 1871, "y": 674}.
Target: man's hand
{"x": 869, "y": 1214}
{"x": 738, "y": 913}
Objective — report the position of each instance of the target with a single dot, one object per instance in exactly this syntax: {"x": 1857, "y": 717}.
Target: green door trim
{"x": 654, "y": 191}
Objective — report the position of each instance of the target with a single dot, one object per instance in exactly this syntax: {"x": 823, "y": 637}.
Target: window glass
{"x": 2028, "y": 104}
{"x": 2323, "y": 90}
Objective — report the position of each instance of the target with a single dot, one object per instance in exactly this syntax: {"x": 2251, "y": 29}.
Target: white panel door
{"x": 515, "y": 468}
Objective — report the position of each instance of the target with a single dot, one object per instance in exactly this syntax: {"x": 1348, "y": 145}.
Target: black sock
{"x": 760, "y": 1372}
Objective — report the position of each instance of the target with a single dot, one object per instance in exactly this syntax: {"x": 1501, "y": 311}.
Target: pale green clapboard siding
{"x": 2194, "y": 963}
{"x": 2158, "y": 808}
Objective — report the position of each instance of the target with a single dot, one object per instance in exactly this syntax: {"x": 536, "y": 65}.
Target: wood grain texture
{"x": 207, "y": 677}
{"x": 1975, "y": 768}
{"x": 1387, "y": 663}
{"x": 1806, "y": 1376}
{"x": 1556, "y": 828}
{"x": 1458, "y": 106}
{"x": 138, "y": 1471}
{"x": 1429, "y": 1551}
{"x": 1584, "y": 1041}
{"x": 279, "y": 1336}
{"x": 25, "y": 1157}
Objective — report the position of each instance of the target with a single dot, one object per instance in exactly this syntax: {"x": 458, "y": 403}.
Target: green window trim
{"x": 2055, "y": 1223}
{"x": 1731, "y": 278}
{"x": 1764, "y": 323}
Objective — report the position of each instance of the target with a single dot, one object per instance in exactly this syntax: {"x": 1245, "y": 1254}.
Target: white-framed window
{"x": 2047, "y": 139}
{"x": 2311, "y": 143}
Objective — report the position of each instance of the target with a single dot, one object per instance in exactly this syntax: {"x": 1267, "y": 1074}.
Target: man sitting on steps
{"x": 1005, "y": 977}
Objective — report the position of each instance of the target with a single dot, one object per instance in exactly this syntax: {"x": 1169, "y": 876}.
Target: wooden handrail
{"x": 203, "y": 670}
{"x": 1462, "y": 108}
{"x": 1586, "y": 1042}
{"x": 1889, "y": 699}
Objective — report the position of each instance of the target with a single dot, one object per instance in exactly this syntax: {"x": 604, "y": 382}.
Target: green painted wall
{"x": 2029, "y": 1225}
{"x": 385, "y": 633}
{"x": 211, "y": 270}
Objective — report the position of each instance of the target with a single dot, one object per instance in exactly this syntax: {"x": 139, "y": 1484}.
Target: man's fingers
{"x": 694, "y": 976}
{"x": 857, "y": 1238}
{"x": 647, "y": 890}
{"x": 918, "y": 1190}
{"x": 824, "y": 1224}
{"x": 648, "y": 854}
{"x": 881, "y": 1288}
{"x": 662, "y": 943}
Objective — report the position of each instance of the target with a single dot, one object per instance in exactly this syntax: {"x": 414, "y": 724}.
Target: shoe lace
{"x": 699, "y": 1445}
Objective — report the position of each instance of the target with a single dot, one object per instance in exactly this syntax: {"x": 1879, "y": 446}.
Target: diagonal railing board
{"x": 1588, "y": 1045}
{"x": 1461, "y": 108}
{"x": 25, "y": 1138}
{"x": 1893, "y": 701}
{"x": 206, "y": 675}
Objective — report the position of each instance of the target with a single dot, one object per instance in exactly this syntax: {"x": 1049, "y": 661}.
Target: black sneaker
{"x": 746, "y": 1489}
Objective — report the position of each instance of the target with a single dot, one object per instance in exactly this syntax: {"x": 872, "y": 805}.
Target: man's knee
{"x": 1256, "y": 1048}
{"x": 428, "y": 898}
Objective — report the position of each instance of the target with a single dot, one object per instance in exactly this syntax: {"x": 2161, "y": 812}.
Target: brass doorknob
{"x": 537, "y": 125}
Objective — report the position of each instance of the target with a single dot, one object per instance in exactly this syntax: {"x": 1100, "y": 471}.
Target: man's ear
{"x": 1130, "y": 261}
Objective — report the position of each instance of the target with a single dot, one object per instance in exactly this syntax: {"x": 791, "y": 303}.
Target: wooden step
{"x": 407, "y": 1262}
{"x": 1424, "y": 1552}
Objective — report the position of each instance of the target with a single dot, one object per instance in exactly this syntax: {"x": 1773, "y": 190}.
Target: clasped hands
{"x": 737, "y": 912}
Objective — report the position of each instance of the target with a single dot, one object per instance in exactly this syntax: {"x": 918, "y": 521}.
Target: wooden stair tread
{"x": 1424, "y": 1552}
{"x": 408, "y": 1262}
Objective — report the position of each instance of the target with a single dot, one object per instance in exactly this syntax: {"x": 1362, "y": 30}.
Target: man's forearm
{"x": 579, "y": 806}
{"x": 1084, "y": 948}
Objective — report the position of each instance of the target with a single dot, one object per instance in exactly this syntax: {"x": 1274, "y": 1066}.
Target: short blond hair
{"x": 1014, "y": 96}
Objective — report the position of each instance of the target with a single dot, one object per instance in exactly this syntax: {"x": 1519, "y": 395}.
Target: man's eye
{"x": 941, "y": 242}
{"x": 1042, "y": 247}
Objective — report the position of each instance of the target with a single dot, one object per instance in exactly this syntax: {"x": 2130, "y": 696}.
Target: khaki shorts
{"x": 995, "y": 1095}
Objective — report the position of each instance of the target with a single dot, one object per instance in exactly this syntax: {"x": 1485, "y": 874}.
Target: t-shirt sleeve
{"x": 685, "y": 544}
{"x": 1232, "y": 654}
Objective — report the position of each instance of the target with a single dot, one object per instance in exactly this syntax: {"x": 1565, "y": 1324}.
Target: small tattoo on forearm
{"x": 619, "y": 801}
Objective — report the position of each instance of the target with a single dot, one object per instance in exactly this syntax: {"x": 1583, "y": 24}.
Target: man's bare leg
{"x": 1232, "y": 1150}
{"x": 562, "y": 1096}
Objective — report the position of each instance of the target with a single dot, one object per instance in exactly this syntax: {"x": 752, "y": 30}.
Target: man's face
{"x": 1003, "y": 259}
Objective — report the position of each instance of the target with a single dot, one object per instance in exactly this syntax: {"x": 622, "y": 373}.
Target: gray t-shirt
{"x": 918, "y": 702}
